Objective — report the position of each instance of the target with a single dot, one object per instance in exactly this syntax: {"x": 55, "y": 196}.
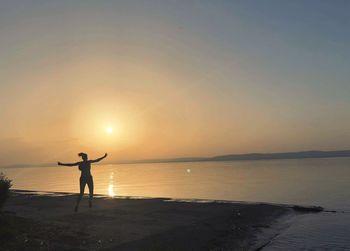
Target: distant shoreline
{"x": 250, "y": 156}
{"x": 228, "y": 157}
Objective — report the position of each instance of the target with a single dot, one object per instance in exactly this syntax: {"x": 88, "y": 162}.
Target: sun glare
{"x": 109, "y": 130}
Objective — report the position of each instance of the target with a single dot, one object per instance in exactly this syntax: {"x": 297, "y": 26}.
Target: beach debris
{"x": 332, "y": 211}
{"x": 9, "y": 212}
{"x": 312, "y": 209}
{"x": 237, "y": 213}
{"x": 236, "y": 228}
{"x": 261, "y": 226}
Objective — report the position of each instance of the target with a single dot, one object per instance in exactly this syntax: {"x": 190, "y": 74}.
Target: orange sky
{"x": 172, "y": 80}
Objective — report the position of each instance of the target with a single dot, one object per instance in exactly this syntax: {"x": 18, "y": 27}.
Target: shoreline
{"x": 300, "y": 208}
{"x": 48, "y": 223}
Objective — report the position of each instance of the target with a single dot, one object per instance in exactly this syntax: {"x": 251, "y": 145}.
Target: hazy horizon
{"x": 207, "y": 158}
{"x": 172, "y": 78}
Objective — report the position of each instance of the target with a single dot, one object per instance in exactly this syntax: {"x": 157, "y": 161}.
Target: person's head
{"x": 84, "y": 156}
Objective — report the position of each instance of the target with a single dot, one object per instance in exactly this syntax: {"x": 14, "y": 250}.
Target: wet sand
{"x": 46, "y": 222}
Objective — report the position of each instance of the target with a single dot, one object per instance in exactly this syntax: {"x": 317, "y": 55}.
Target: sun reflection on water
{"x": 111, "y": 190}
{"x": 111, "y": 185}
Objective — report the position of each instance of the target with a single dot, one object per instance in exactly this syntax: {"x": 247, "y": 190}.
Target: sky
{"x": 172, "y": 78}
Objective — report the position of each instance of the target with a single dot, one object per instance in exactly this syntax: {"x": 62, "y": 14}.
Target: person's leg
{"x": 90, "y": 184}
{"x": 82, "y": 188}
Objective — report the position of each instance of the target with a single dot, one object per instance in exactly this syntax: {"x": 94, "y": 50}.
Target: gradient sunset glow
{"x": 158, "y": 79}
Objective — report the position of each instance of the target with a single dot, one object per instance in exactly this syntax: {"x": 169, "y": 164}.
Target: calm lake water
{"x": 323, "y": 182}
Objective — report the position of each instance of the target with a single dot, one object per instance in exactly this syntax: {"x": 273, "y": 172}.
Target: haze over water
{"x": 321, "y": 182}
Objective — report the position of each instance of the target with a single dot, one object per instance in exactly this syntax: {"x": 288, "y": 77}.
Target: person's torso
{"x": 85, "y": 167}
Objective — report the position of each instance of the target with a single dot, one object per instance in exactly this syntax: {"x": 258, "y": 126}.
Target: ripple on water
{"x": 322, "y": 231}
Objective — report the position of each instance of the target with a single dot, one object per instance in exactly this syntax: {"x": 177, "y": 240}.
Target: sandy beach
{"x": 47, "y": 222}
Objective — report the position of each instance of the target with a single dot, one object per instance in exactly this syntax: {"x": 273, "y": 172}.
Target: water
{"x": 323, "y": 182}
{"x": 319, "y": 232}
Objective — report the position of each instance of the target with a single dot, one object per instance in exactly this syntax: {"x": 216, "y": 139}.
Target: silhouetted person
{"x": 86, "y": 177}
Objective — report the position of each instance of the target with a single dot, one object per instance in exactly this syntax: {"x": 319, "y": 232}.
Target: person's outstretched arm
{"x": 67, "y": 164}
{"x": 99, "y": 159}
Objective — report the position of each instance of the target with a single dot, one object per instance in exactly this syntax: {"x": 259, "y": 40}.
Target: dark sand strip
{"x": 43, "y": 222}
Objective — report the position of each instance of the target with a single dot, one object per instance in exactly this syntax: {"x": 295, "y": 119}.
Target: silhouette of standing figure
{"x": 86, "y": 177}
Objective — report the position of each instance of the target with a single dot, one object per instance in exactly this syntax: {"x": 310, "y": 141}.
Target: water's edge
{"x": 263, "y": 237}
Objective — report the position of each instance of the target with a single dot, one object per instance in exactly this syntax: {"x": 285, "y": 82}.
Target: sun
{"x": 109, "y": 130}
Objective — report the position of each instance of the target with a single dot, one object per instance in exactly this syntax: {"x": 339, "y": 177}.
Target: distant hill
{"x": 229, "y": 157}
{"x": 254, "y": 156}
{"x": 287, "y": 155}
